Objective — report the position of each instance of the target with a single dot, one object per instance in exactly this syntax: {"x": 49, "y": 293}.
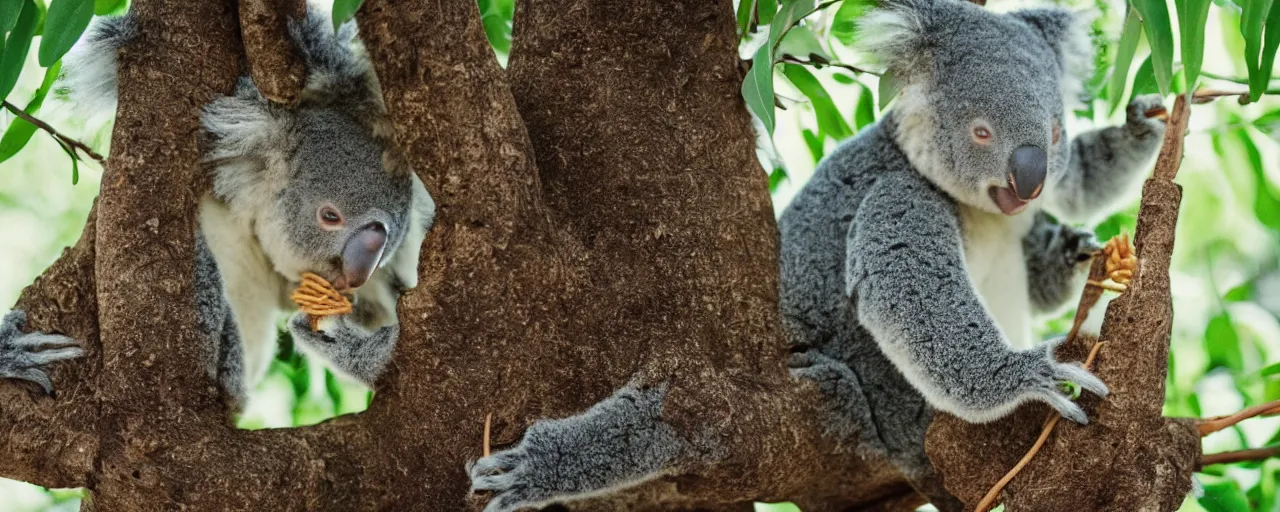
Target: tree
{"x": 602, "y": 217}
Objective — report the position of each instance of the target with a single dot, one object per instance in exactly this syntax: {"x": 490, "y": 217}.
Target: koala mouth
{"x": 1007, "y": 200}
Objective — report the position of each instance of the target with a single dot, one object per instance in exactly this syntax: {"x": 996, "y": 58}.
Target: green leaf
{"x": 63, "y": 25}
{"x": 1266, "y": 204}
{"x": 842, "y": 78}
{"x": 889, "y": 87}
{"x": 1144, "y": 81}
{"x": 844, "y": 25}
{"x": 1256, "y": 17}
{"x": 16, "y": 47}
{"x": 1155, "y": 21}
{"x": 757, "y": 88}
{"x": 765, "y": 10}
{"x": 109, "y": 7}
{"x": 864, "y": 114}
{"x": 9, "y": 11}
{"x": 1223, "y": 344}
{"x": 776, "y": 177}
{"x": 19, "y": 131}
{"x": 1268, "y": 123}
{"x": 344, "y": 10}
{"x": 1124, "y": 57}
{"x": 1224, "y": 496}
{"x": 1270, "y": 370}
{"x": 814, "y": 143}
{"x": 1242, "y": 293}
{"x": 829, "y": 119}
{"x": 498, "y": 31}
{"x": 745, "y": 9}
{"x": 1192, "y": 17}
{"x": 791, "y": 13}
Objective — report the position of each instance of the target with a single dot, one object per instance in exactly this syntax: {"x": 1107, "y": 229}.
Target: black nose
{"x": 1030, "y": 165}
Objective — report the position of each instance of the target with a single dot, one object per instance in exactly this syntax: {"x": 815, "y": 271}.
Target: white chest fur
{"x": 994, "y": 261}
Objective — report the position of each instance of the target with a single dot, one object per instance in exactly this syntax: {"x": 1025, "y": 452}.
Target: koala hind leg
{"x": 617, "y": 443}
{"x": 24, "y": 355}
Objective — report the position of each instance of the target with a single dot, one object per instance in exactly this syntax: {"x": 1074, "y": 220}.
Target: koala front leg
{"x": 23, "y": 355}
{"x": 906, "y": 274}
{"x": 348, "y": 347}
{"x": 617, "y": 443}
{"x": 1106, "y": 161}
{"x": 1057, "y": 258}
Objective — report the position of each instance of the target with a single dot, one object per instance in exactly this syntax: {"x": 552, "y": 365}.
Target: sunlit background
{"x": 1226, "y": 273}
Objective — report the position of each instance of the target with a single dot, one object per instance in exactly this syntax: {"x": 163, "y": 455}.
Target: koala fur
{"x": 914, "y": 258}
{"x": 317, "y": 187}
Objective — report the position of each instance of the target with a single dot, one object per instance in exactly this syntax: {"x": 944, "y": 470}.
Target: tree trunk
{"x": 601, "y": 218}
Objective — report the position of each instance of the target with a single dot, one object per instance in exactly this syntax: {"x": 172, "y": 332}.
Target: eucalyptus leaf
{"x": 9, "y": 11}
{"x": 108, "y": 7}
{"x": 20, "y": 131}
{"x": 844, "y": 25}
{"x": 745, "y": 9}
{"x": 63, "y": 25}
{"x": 802, "y": 43}
{"x": 1254, "y": 20}
{"x": 1159, "y": 30}
{"x": 1192, "y": 17}
{"x": 889, "y": 87}
{"x": 830, "y": 122}
{"x": 776, "y": 177}
{"x": 1144, "y": 81}
{"x": 1124, "y": 57}
{"x": 757, "y": 88}
{"x": 813, "y": 141}
{"x": 1224, "y": 496}
{"x": 864, "y": 114}
{"x": 1223, "y": 344}
{"x": 16, "y": 47}
{"x": 765, "y": 10}
{"x": 344, "y": 10}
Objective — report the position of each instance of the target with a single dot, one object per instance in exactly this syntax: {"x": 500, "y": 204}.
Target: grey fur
{"x": 894, "y": 254}
{"x": 273, "y": 168}
{"x": 23, "y": 355}
{"x": 1057, "y": 256}
{"x": 617, "y": 443}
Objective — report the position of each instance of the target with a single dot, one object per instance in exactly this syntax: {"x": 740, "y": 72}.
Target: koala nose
{"x": 362, "y": 252}
{"x": 1030, "y": 165}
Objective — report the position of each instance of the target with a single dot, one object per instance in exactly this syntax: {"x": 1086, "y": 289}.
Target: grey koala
{"x": 913, "y": 259}
{"x": 317, "y": 187}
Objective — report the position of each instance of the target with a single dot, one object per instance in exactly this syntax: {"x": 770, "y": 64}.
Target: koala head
{"x": 981, "y": 105}
{"x": 320, "y": 183}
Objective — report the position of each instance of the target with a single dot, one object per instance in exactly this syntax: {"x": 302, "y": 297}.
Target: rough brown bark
{"x": 274, "y": 63}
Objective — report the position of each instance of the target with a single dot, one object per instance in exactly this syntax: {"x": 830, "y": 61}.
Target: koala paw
{"x": 1050, "y": 376}
{"x": 1076, "y": 246}
{"x": 1142, "y": 116}
{"x": 24, "y": 355}
{"x": 508, "y": 475}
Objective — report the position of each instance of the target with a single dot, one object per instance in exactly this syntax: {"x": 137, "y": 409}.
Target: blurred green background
{"x": 1226, "y": 277}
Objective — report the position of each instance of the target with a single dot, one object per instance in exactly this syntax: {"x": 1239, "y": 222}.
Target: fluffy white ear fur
{"x": 891, "y": 35}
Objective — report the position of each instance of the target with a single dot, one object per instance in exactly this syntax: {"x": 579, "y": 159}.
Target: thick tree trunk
{"x": 601, "y": 219}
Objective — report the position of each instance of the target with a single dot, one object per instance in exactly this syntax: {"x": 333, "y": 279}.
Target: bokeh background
{"x": 1226, "y": 272}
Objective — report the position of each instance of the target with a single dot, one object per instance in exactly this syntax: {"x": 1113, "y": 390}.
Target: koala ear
{"x": 1068, "y": 34}
{"x": 895, "y": 34}
{"x": 243, "y": 124}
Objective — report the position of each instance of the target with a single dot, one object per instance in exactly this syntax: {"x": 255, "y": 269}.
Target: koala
{"x": 914, "y": 258}
{"x": 317, "y": 187}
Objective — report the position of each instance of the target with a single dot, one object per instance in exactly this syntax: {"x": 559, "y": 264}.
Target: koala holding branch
{"x": 914, "y": 258}
{"x": 317, "y": 187}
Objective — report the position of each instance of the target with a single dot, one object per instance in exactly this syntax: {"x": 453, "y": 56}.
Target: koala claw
{"x": 1070, "y": 372}
{"x": 503, "y": 474}
{"x": 1079, "y": 245}
{"x": 23, "y": 355}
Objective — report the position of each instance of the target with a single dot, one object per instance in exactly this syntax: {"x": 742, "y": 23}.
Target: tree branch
{"x": 1240, "y": 456}
{"x": 71, "y": 142}
{"x": 276, "y": 66}
{"x": 1212, "y": 425}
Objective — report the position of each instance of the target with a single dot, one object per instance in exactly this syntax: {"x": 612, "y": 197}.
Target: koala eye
{"x": 981, "y": 134}
{"x": 329, "y": 217}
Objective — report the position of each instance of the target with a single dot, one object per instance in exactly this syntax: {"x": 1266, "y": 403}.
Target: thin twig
{"x": 488, "y": 422}
{"x": 1212, "y": 425}
{"x": 82, "y": 147}
{"x": 1240, "y": 456}
{"x": 816, "y": 64}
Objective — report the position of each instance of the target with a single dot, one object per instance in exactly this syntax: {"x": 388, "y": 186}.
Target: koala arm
{"x": 906, "y": 276}
{"x": 1104, "y": 163}
{"x": 1057, "y": 258}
